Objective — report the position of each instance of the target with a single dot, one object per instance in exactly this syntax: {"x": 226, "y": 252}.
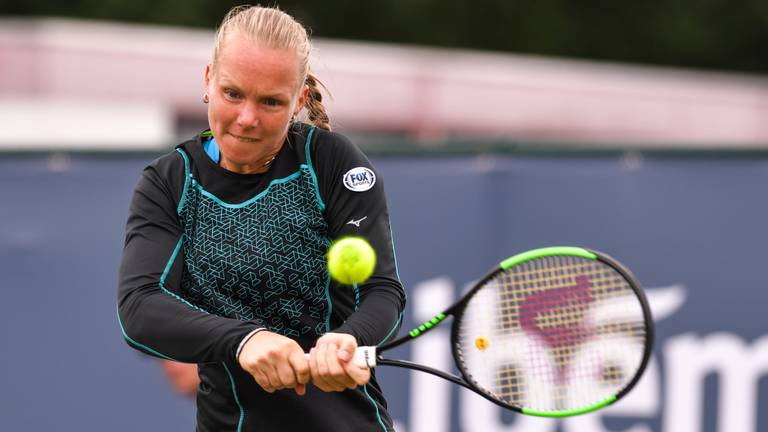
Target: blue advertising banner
{"x": 691, "y": 227}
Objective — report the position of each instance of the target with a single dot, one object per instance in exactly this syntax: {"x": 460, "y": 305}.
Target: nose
{"x": 247, "y": 117}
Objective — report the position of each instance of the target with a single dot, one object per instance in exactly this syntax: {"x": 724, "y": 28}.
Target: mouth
{"x": 244, "y": 139}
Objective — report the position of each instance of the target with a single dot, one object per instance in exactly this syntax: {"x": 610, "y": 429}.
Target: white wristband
{"x": 245, "y": 339}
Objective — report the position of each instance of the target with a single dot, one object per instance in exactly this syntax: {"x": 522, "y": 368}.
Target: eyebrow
{"x": 226, "y": 81}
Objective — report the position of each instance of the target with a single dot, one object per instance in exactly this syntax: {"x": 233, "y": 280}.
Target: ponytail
{"x": 314, "y": 105}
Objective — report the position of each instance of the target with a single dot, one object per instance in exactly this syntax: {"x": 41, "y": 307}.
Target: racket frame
{"x": 457, "y": 309}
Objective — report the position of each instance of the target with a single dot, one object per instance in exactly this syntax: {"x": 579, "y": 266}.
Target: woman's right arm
{"x": 153, "y": 316}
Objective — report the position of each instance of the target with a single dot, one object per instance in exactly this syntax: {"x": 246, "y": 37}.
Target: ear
{"x": 303, "y": 95}
{"x": 208, "y": 73}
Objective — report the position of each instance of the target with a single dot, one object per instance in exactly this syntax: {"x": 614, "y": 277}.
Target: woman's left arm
{"x": 356, "y": 205}
{"x": 353, "y": 193}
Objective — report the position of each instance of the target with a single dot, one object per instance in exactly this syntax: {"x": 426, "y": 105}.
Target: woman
{"x": 224, "y": 262}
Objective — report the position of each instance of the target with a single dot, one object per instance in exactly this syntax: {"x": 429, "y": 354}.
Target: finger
{"x": 281, "y": 361}
{"x": 262, "y": 380}
{"x": 285, "y": 374}
{"x": 269, "y": 371}
{"x": 319, "y": 368}
{"x": 320, "y": 372}
{"x": 336, "y": 373}
{"x": 360, "y": 376}
{"x": 347, "y": 349}
{"x": 300, "y": 365}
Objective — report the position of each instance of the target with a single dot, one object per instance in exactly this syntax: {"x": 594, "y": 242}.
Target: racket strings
{"x": 557, "y": 333}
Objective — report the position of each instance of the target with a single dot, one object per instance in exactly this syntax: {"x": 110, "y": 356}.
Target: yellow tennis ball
{"x": 351, "y": 260}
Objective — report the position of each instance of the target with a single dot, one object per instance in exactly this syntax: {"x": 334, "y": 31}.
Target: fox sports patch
{"x": 359, "y": 179}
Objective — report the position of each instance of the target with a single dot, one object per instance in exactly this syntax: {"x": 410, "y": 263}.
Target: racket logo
{"x": 359, "y": 179}
{"x": 567, "y": 304}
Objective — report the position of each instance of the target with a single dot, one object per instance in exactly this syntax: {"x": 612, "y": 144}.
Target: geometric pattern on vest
{"x": 264, "y": 259}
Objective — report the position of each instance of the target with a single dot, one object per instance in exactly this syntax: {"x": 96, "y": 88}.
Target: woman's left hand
{"x": 330, "y": 363}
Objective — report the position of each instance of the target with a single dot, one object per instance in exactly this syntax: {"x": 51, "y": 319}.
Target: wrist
{"x": 244, "y": 340}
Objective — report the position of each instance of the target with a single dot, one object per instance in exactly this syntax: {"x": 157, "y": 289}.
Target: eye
{"x": 271, "y": 102}
{"x": 232, "y": 94}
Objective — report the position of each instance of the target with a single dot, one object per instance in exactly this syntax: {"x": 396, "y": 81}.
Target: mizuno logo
{"x": 356, "y": 222}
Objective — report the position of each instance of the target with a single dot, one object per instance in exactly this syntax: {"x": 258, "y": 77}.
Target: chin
{"x": 239, "y": 157}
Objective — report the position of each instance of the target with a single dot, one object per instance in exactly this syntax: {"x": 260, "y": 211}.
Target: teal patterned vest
{"x": 261, "y": 259}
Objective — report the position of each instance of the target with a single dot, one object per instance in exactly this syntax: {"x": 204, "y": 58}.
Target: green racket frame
{"x": 457, "y": 310}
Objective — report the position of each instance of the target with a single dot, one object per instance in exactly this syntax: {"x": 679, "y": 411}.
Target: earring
{"x": 293, "y": 118}
{"x": 205, "y": 98}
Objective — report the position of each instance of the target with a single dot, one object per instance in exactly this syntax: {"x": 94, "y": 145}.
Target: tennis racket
{"x": 551, "y": 332}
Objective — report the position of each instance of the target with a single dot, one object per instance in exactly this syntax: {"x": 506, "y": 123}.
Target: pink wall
{"x": 427, "y": 93}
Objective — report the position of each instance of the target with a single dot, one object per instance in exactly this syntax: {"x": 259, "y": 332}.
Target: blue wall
{"x": 693, "y": 229}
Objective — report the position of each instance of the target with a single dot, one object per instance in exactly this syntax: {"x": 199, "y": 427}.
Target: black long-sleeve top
{"x": 211, "y": 255}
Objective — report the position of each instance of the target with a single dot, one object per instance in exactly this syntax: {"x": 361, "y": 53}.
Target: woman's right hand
{"x": 275, "y": 362}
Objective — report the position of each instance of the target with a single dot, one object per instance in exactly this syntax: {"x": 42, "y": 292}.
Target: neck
{"x": 257, "y": 167}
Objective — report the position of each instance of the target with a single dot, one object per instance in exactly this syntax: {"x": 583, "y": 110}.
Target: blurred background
{"x": 636, "y": 128}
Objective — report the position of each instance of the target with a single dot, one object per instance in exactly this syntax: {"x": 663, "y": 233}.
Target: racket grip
{"x": 364, "y": 357}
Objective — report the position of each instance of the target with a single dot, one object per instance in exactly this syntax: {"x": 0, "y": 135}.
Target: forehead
{"x": 251, "y": 65}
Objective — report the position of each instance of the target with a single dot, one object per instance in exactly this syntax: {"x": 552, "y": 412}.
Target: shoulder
{"x": 168, "y": 171}
{"x": 341, "y": 166}
{"x": 325, "y": 141}
{"x": 179, "y": 159}
{"x": 169, "y": 165}
{"x": 322, "y": 148}
{"x": 334, "y": 150}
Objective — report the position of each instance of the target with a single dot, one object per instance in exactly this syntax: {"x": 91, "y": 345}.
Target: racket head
{"x": 554, "y": 332}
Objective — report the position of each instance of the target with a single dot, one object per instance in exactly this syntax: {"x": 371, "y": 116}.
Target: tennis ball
{"x": 351, "y": 260}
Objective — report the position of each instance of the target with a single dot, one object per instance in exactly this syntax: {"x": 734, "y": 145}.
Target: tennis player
{"x": 224, "y": 261}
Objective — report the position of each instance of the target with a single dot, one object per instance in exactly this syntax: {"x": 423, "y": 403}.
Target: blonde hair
{"x": 272, "y": 28}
